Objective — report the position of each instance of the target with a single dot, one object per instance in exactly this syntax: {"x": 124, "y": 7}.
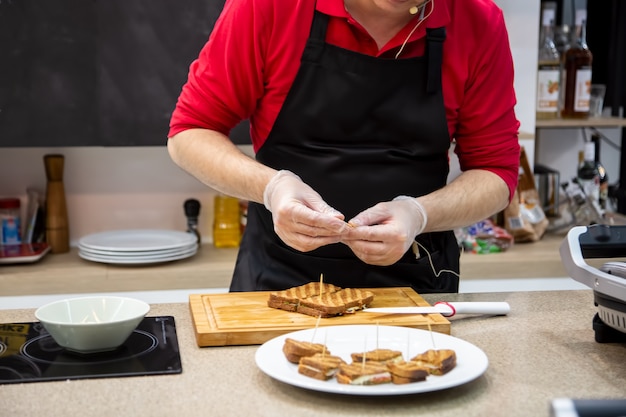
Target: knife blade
{"x": 449, "y": 309}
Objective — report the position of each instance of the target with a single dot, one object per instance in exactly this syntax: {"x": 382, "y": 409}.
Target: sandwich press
{"x": 608, "y": 283}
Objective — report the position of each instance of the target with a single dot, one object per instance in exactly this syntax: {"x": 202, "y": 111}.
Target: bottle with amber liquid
{"x": 226, "y": 222}
{"x": 576, "y": 78}
{"x": 549, "y": 70}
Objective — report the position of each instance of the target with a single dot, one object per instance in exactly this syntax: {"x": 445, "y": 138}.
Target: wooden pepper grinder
{"x": 57, "y": 229}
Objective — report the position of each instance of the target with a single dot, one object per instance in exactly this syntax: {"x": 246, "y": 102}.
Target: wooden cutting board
{"x": 243, "y": 318}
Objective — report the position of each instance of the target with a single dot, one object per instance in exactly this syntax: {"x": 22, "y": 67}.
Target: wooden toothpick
{"x": 364, "y": 354}
{"x": 321, "y": 284}
{"x": 432, "y": 339}
{"x": 377, "y": 322}
{"x": 408, "y": 343}
{"x": 317, "y": 323}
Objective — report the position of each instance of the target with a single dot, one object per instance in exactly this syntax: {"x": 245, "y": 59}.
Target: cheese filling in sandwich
{"x": 364, "y": 373}
{"x": 320, "y": 366}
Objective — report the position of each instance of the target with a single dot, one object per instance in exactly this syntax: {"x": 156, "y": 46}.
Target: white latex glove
{"x": 382, "y": 234}
{"x": 302, "y": 219}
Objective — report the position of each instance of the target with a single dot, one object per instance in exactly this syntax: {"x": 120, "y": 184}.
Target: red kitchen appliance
{"x": 608, "y": 283}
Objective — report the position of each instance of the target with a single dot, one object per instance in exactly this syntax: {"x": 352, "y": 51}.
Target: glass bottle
{"x": 548, "y": 71}
{"x": 603, "y": 196}
{"x": 226, "y": 222}
{"x": 588, "y": 176}
{"x": 562, "y": 39}
{"x": 576, "y": 77}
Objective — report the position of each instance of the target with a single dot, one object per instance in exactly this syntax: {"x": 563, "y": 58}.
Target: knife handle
{"x": 478, "y": 307}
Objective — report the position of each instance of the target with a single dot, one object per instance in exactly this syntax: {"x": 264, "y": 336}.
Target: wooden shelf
{"x": 213, "y": 268}
{"x": 574, "y": 123}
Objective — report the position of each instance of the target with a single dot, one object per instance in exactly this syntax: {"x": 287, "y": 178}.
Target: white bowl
{"x": 92, "y": 324}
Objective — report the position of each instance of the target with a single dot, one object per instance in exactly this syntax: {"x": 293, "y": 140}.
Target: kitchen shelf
{"x": 213, "y": 268}
{"x": 574, "y": 123}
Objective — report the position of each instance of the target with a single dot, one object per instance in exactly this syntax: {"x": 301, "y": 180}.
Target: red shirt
{"x": 253, "y": 54}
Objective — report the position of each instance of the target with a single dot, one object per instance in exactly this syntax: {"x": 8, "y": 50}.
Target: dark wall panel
{"x": 47, "y": 72}
{"x": 96, "y": 72}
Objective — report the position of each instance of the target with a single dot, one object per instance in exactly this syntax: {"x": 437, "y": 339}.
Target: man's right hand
{"x": 302, "y": 219}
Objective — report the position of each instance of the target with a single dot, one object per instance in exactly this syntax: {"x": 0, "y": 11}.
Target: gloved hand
{"x": 382, "y": 234}
{"x": 302, "y": 219}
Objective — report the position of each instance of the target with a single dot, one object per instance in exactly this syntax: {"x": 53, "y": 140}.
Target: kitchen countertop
{"x": 212, "y": 268}
{"x": 543, "y": 349}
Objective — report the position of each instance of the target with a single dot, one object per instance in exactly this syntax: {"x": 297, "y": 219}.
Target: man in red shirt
{"x": 353, "y": 105}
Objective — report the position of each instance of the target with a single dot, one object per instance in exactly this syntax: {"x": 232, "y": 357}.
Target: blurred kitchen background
{"x": 118, "y": 174}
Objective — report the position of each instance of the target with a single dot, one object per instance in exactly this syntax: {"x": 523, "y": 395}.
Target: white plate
{"x": 137, "y": 254}
{"x": 344, "y": 340}
{"x": 137, "y": 240}
{"x": 137, "y": 260}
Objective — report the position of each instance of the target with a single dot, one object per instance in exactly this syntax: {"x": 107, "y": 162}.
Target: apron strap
{"x": 434, "y": 50}
{"x": 317, "y": 38}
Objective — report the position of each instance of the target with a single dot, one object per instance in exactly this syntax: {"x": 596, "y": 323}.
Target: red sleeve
{"x": 246, "y": 68}
{"x": 222, "y": 90}
{"x": 486, "y": 130}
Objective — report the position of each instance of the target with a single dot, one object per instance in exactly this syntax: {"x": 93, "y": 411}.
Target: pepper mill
{"x": 57, "y": 229}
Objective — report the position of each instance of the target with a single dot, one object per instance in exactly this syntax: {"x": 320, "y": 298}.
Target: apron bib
{"x": 359, "y": 130}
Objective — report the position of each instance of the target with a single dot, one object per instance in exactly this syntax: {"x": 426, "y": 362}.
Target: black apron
{"x": 359, "y": 130}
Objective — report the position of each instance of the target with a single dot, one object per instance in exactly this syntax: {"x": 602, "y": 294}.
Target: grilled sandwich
{"x": 364, "y": 373}
{"x": 384, "y": 356}
{"x": 317, "y": 300}
{"x": 294, "y": 350}
{"x": 320, "y": 366}
{"x": 437, "y": 361}
{"x": 290, "y": 298}
{"x": 336, "y": 303}
{"x": 407, "y": 372}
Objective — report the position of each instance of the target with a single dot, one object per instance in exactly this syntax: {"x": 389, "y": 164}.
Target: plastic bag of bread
{"x": 484, "y": 237}
{"x": 524, "y": 218}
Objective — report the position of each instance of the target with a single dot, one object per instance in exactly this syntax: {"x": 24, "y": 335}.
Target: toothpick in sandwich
{"x": 317, "y": 323}
{"x": 432, "y": 339}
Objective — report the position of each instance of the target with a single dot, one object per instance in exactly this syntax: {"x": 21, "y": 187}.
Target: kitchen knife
{"x": 449, "y": 309}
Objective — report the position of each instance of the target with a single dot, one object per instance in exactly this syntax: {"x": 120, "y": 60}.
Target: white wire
{"x": 421, "y": 19}
{"x": 432, "y": 266}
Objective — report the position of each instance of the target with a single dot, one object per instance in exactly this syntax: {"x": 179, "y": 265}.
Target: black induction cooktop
{"x": 29, "y": 354}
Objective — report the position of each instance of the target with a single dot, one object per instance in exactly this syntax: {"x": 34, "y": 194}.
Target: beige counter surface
{"x": 543, "y": 349}
{"x": 212, "y": 268}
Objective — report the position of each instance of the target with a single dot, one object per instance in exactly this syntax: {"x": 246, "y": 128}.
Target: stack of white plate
{"x": 142, "y": 246}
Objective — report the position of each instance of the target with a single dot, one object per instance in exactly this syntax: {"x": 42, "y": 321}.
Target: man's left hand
{"x": 382, "y": 234}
